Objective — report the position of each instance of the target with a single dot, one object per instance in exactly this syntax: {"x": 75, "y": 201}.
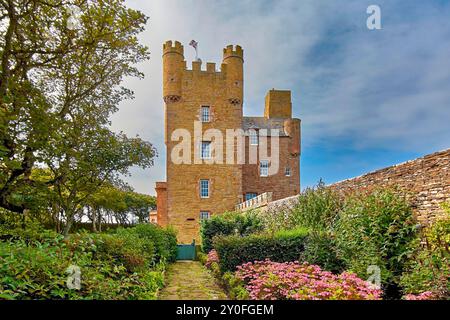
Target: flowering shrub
{"x": 267, "y": 280}
{"x": 427, "y": 295}
{"x": 211, "y": 258}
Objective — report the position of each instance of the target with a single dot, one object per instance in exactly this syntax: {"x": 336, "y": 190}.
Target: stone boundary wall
{"x": 427, "y": 180}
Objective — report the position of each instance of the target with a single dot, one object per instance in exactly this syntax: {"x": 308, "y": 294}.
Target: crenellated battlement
{"x": 199, "y": 67}
{"x": 173, "y": 47}
{"x": 233, "y": 51}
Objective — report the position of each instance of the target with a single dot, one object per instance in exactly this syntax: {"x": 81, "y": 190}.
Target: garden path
{"x": 190, "y": 280}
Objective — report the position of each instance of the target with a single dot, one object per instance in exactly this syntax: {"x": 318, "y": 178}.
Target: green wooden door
{"x": 186, "y": 251}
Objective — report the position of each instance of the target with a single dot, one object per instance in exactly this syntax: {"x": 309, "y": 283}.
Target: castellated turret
{"x": 173, "y": 68}
{"x": 233, "y": 66}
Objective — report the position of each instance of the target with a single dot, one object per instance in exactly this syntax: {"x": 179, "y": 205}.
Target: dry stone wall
{"x": 426, "y": 179}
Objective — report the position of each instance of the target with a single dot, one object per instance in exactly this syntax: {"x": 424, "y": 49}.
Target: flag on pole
{"x": 194, "y": 44}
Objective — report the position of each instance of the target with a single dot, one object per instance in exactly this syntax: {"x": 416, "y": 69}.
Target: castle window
{"x": 250, "y": 195}
{"x": 206, "y": 150}
{"x": 204, "y": 215}
{"x": 264, "y": 168}
{"x": 287, "y": 172}
{"x": 204, "y": 188}
{"x": 253, "y": 137}
{"x": 206, "y": 114}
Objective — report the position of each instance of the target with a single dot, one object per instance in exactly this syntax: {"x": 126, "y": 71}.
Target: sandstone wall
{"x": 427, "y": 179}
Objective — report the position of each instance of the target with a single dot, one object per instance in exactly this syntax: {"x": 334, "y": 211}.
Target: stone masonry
{"x": 186, "y": 92}
{"x": 426, "y": 179}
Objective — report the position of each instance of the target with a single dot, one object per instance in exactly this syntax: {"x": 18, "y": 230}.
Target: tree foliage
{"x": 62, "y": 65}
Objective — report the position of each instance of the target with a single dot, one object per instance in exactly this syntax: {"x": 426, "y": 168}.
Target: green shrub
{"x": 119, "y": 266}
{"x": 127, "y": 249}
{"x": 429, "y": 270}
{"x": 317, "y": 208}
{"x": 164, "y": 240}
{"x": 320, "y": 249}
{"x": 234, "y": 286}
{"x": 230, "y": 223}
{"x": 30, "y": 232}
{"x": 282, "y": 246}
{"x": 377, "y": 229}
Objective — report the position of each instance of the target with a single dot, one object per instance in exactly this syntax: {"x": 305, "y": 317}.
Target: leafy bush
{"x": 377, "y": 229}
{"x": 267, "y": 280}
{"x": 163, "y": 240}
{"x": 316, "y": 209}
{"x": 228, "y": 281}
{"x": 320, "y": 249}
{"x": 429, "y": 270}
{"x": 119, "y": 266}
{"x": 30, "y": 232}
{"x": 282, "y": 246}
{"x": 229, "y": 223}
{"x": 234, "y": 286}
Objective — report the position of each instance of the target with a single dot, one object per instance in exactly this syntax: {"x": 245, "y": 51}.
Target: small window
{"x": 204, "y": 215}
{"x": 250, "y": 195}
{"x": 287, "y": 172}
{"x": 253, "y": 137}
{"x": 204, "y": 188}
{"x": 190, "y": 219}
{"x": 205, "y": 114}
{"x": 264, "y": 168}
{"x": 205, "y": 152}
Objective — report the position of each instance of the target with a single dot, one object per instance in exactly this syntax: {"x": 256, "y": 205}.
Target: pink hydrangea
{"x": 267, "y": 280}
{"x": 212, "y": 257}
{"x": 427, "y": 295}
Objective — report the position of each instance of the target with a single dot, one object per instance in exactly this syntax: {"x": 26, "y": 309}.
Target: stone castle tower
{"x": 212, "y": 99}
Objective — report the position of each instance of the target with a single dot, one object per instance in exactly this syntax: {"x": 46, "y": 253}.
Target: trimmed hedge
{"x": 283, "y": 246}
{"x": 229, "y": 223}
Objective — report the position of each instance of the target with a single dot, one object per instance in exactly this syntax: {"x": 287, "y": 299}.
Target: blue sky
{"x": 367, "y": 98}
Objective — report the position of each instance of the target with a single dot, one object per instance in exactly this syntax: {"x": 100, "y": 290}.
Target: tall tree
{"x": 62, "y": 63}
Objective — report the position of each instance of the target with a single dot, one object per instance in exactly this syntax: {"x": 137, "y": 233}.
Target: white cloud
{"x": 387, "y": 88}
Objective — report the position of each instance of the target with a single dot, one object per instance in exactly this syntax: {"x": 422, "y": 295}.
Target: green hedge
{"x": 229, "y": 223}
{"x": 283, "y": 246}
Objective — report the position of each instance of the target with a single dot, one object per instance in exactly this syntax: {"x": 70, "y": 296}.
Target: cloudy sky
{"x": 367, "y": 98}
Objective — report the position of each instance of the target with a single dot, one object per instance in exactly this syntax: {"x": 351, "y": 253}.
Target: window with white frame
{"x": 250, "y": 195}
{"x": 204, "y": 188}
{"x": 264, "y": 168}
{"x": 205, "y": 152}
{"x": 206, "y": 114}
{"x": 204, "y": 215}
{"x": 287, "y": 172}
{"x": 253, "y": 137}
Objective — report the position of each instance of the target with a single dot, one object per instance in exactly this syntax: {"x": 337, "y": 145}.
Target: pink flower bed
{"x": 427, "y": 295}
{"x": 267, "y": 280}
{"x": 212, "y": 257}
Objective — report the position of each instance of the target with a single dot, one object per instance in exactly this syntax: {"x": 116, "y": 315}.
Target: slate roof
{"x": 264, "y": 123}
